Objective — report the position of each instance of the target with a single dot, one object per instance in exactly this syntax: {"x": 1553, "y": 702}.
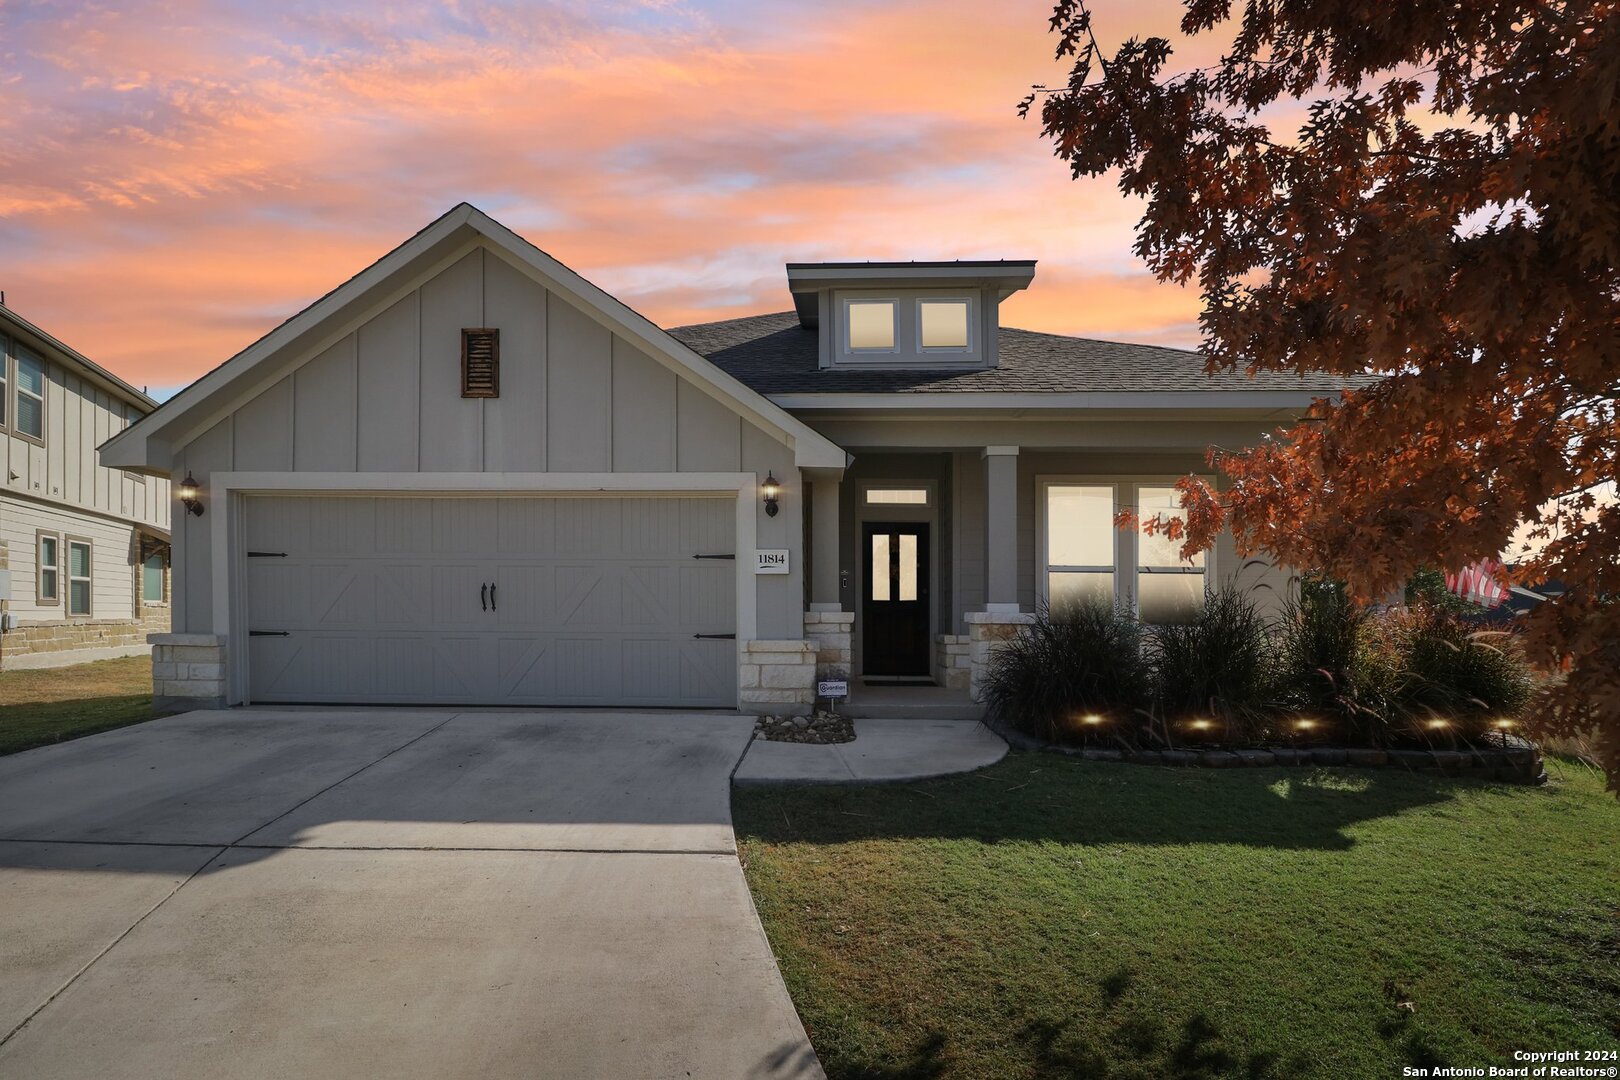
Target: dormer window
{"x": 943, "y": 324}
{"x": 869, "y": 326}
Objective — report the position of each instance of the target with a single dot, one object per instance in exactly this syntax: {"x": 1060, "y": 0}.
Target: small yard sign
{"x": 832, "y": 688}
{"x": 771, "y": 561}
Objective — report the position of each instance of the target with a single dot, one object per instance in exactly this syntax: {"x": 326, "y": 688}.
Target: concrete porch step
{"x": 910, "y": 703}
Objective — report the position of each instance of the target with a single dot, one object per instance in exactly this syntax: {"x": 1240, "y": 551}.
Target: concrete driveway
{"x": 374, "y": 893}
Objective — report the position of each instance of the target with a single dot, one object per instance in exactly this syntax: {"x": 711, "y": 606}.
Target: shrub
{"x": 1468, "y": 676}
{"x": 1338, "y": 662}
{"x": 1215, "y": 666}
{"x": 1083, "y": 660}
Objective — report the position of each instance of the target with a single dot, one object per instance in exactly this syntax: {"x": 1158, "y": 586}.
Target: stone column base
{"x": 829, "y": 632}
{"x": 188, "y": 672}
{"x": 776, "y": 677}
{"x": 988, "y": 632}
{"x": 953, "y": 661}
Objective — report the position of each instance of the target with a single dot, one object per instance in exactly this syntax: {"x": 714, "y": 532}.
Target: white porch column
{"x": 827, "y": 625}
{"x": 1001, "y": 528}
{"x": 824, "y": 592}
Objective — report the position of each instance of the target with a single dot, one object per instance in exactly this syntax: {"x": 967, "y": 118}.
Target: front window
{"x": 30, "y": 394}
{"x": 1168, "y": 587}
{"x": 79, "y": 595}
{"x": 869, "y": 325}
{"x": 1085, "y": 552}
{"x": 152, "y": 578}
{"x": 1080, "y": 544}
{"x": 48, "y": 590}
{"x": 942, "y": 324}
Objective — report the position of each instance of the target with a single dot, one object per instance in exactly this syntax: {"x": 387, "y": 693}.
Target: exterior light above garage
{"x": 190, "y": 497}
{"x": 772, "y": 491}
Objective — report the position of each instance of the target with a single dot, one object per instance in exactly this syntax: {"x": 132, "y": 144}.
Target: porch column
{"x": 827, "y": 625}
{"x": 1001, "y": 528}
{"x": 824, "y": 592}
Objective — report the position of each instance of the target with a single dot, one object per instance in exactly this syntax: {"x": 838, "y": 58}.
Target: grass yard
{"x": 1049, "y": 917}
{"x": 53, "y": 704}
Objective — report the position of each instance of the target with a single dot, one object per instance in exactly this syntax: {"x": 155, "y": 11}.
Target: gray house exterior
{"x": 469, "y": 476}
{"x": 84, "y": 548}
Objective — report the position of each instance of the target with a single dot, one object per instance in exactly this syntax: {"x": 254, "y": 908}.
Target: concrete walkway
{"x": 394, "y": 893}
{"x": 882, "y": 750}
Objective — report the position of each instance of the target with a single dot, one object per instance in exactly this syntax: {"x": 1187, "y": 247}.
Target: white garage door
{"x": 521, "y": 601}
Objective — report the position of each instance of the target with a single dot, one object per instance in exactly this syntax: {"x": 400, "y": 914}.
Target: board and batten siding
{"x": 80, "y": 416}
{"x": 575, "y": 398}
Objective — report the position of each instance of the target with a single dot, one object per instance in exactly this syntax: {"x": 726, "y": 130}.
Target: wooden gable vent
{"x": 480, "y": 363}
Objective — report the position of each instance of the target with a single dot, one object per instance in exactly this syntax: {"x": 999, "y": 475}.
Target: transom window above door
{"x": 897, "y": 496}
{"x": 1087, "y": 560}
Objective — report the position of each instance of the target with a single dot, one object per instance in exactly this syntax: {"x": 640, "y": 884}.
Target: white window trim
{"x": 843, "y": 325}
{"x": 1126, "y": 567}
{"x": 972, "y": 325}
{"x": 69, "y": 577}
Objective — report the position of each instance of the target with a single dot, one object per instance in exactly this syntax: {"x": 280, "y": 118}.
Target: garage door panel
{"x": 597, "y": 603}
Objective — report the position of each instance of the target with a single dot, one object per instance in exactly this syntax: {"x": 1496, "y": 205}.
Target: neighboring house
{"x": 84, "y": 549}
{"x": 468, "y": 475}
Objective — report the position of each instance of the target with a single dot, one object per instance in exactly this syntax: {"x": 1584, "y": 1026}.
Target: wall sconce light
{"x": 772, "y": 490}
{"x": 189, "y": 495}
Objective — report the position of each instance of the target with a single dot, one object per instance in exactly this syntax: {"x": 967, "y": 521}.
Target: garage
{"x": 578, "y": 600}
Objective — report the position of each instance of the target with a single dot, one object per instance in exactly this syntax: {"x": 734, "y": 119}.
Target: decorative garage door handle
{"x": 483, "y": 597}
{"x": 724, "y": 637}
{"x": 492, "y": 596}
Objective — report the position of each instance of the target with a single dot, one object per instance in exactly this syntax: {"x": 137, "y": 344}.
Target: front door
{"x": 894, "y": 607}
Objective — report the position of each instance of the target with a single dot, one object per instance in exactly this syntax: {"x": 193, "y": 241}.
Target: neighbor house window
{"x": 152, "y": 578}
{"x": 942, "y": 324}
{"x": 30, "y": 395}
{"x": 48, "y": 586}
{"x": 897, "y": 496}
{"x": 5, "y": 387}
{"x": 1080, "y": 545}
{"x": 869, "y": 325}
{"x": 78, "y": 558}
{"x": 1168, "y": 588}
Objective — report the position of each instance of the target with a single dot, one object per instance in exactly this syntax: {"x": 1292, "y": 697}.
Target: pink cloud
{"x": 179, "y": 177}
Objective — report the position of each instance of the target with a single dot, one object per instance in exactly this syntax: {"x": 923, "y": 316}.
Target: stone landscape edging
{"x": 1519, "y": 765}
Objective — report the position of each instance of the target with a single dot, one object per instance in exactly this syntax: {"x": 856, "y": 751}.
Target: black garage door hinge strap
{"x": 731, "y": 555}
{"x": 267, "y": 554}
{"x": 267, "y": 633}
{"x": 725, "y": 637}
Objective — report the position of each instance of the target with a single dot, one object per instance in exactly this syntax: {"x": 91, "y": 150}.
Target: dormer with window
{"x": 906, "y": 315}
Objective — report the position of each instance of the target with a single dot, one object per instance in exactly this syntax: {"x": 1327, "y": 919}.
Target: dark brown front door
{"x": 894, "y": 604}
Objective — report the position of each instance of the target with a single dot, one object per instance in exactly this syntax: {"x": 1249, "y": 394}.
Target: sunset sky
{"x": 176, "y": 178}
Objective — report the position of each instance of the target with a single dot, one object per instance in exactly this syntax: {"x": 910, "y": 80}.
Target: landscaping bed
{"x": 1057, "y": 917}
{"x": 820, "y": 727}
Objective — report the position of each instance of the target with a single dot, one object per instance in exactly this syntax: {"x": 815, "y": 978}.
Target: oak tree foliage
{"x": 1424, "y": 199}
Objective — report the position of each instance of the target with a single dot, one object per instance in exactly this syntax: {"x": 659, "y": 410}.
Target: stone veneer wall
{"x": 829, "y": 632}
{"x": 188, "y": 672}
{"x": 48, "y": 644}
{"x": 989, "y": 631}
{"x": 953, "y": 661}
{"x": 777, "y": 676}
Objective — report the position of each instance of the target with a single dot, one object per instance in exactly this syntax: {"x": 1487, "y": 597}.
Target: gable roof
{"x": 14, "y": 324}
{"x": 149, "y": 444}
{"x": 774, "y": 354}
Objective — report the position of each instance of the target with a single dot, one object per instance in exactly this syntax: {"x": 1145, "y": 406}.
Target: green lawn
{"x": 52, "y": 704}
{"x": 1050, "y": 917}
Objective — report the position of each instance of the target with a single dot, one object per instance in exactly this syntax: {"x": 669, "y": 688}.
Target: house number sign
{"x": 771, "y": 561}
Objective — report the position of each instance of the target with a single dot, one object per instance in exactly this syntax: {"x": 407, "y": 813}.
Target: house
{"x": 468, "y": 475}
{"x": 84, "y": 547}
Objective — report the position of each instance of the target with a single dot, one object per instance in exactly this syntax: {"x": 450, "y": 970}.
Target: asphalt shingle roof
{"x": 774, "y": 354}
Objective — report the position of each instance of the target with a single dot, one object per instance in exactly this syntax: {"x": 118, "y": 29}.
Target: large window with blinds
{"x": 1086, "y": 559}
